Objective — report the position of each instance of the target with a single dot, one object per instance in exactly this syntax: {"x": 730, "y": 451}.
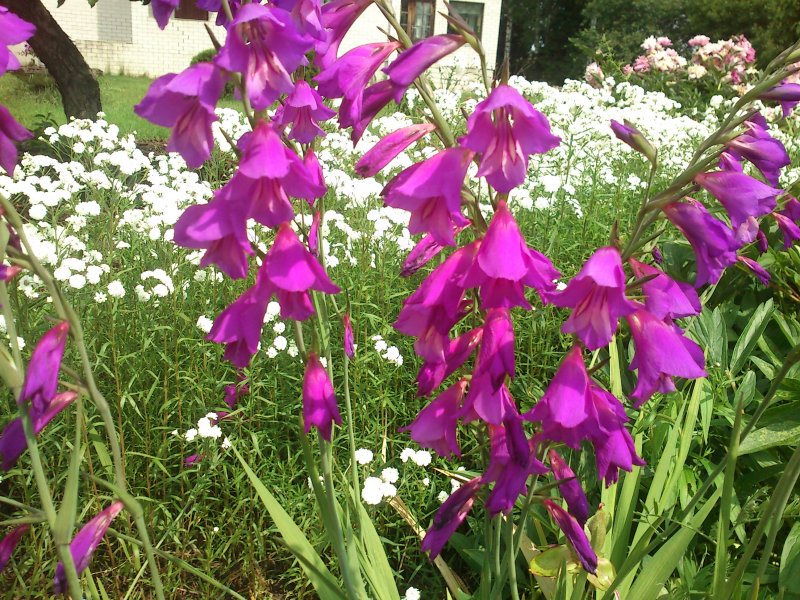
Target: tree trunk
{"x": 80, "y": 93}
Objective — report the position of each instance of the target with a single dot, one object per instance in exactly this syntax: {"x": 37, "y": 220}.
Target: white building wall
{"x": 120, "y": 36}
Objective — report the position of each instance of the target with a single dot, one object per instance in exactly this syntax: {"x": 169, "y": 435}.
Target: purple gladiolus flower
{"x": 662, "y": 352}
{"x": 713, "y": 242}
{"x": 760, "y": 148}
{"x": 505, "y": 264}
{"x": 11, "y": 132}
{"x": 307, "y": 16}
{"x": 319, "y": 401}
{"x": 511, "y": 463}
{"x": 337, "y": 18}
{"x": 496, "y": 354}
{"x": 350, "y": 74}
{"x": 760, "y": 272}
{"x": 239, "y": 325}
{"x": 436, "y": 424}
{"x": 787, "y": 94}
{"x": 220, "y": 227}
{"x": 291, "y": 271}
{"x": 571, "y": 489}
{"x": 359, "y": 114}
{"x": 431, "y": 192}
{"x": 387, "y": 149}
{"x": 506, "y": 129}
{"x": 41, "y": 377}
{"x": 8, "y": 272}
{"x": 741, "y": 195}
{"x": 9, "y": 543}
{"x": 450, "y": 516}
{"x": 162, "y": 11}
{"x": 192, "y": 460}
{"x": 789, "y": 229}
{"x": 13, "y": 30}
{"x": 313, "y": 234}
{"x": 433, "y": 373}
{"x": 264, "y": 45}
{"x": 566, "y": 411}
{"x": 574, "y": 534}
{"x": 185, "y": 102}
{"x": 657, "y": 256}
{"x": 728, "y": 161}
{"x": 303, "y": 110}
{"x": 349, "y": 341}
{"x": 597, "y": 297}
{"x": 627, "y": 133}
{"x": 613, "y": 446}
{"x": 422, "y": 55}
{"x": 12, "y": 440}
{"x": 420, "y": 255}
{"x": 437, "y": 304}
{"x": 666, "y": 298}
{"x": 85, "y": 543}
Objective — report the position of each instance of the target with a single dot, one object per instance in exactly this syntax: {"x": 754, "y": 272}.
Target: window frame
{"x": 409, "y": 9}
{"x": 482, "y": 5}
{"x": 187, "y": 11}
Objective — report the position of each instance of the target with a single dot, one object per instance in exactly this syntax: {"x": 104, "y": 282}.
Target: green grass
{"x": 32, "y": 103}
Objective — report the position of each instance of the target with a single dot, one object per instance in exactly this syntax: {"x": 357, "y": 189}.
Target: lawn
{"x": 119, "y": 93}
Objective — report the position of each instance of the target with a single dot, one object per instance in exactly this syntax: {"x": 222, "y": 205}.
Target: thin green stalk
{"x": 351, "y": 436}
{"x": 721, "y": 559}
{"x": 772, "y": 516}
{"x": 511, "y": 557}
{"x": 497, "y": 541}
{"x": 351, "y": 580}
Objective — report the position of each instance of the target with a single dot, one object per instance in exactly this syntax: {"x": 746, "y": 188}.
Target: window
{"x": 416, "y": 17}
{"x": 472, "y": 13}
{"x": 187, "y": 10}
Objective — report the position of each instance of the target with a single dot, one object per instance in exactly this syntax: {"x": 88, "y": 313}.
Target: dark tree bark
{"x": 80, "y": 93}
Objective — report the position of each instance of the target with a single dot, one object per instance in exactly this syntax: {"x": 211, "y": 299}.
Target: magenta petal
{"x": 760, "y": 272}
{"x": 741, "y": 195}
{"x": 11, "y": 132}
{"x": 41, "y": 376}
{"x": 450, "y": 516}
{"x": 413, "y": 62}
{"x": 436, "y": 424}
{"x": 574, "y": 534}
{"x": 571, "y": 489}
{"x": 85, "y": 543}
{"x": 9, "y": 543}
{"x": 290, "y": 266}
{"x": 349, "y": 341}
{"x": 319, "y": 401}
{"x": 387, "y": 149}
{"x": 662, "y": 352}
{"x": 239, "y": 325}
{"x": 665, "y": 297}
{"x": 597, "y": 297}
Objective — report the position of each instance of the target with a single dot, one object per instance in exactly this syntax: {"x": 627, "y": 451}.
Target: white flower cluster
{"x": 207, "y": 427}
{"x": 420, "y": 458}
{"x": 389, "y": 353}
{"x": 376, "y": 489}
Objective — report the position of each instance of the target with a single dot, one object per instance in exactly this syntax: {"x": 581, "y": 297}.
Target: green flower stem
{"x": 511, "y": 557}
{"x": 352, "y": 579}
{"x": 348, "y": 406}
{"x": 721, "y": 559}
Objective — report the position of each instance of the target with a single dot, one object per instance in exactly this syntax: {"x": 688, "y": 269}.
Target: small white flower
{"x": 381, "y": 345}
{"x": 77, "y": 281}
{"x": 422, "y": 458}
{"x": 406, "y": 454}
{"x": 20, "y": 343}
{"x": 62, "y": 273}
{"x": 37, "y": 212}
{"x": 116, "y": 289}
{"x": 388, "y": 490}
{"x": 364, "y": 456}
{"x": 280, "y": 343}
{"x": 412, "y": 594}
{"x": 390, "y": 475}
{"x": 371, "y": 493}
{"x": 216, "y": 530}
{"x": 279, "y": 327}
{"x": 100, "y": 297}
{"x": 226, "y": 443}
{"x": 426, "y": 481}
{"x": 191, "y": 434}
{"x": 454, "y": 485}
{"x": 204, "y": 323}
{"x": 78, "y": 148}
{"x": 174, "y": 432}
{"x": 442, "y": 496}
{"x": 207, "y": 430}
